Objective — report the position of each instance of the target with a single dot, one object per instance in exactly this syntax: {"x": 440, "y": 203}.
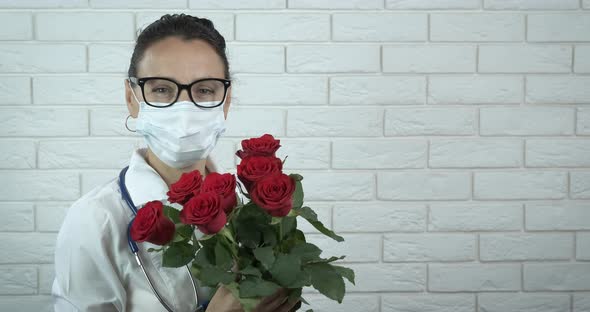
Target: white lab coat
{"x": 94, "y": 268}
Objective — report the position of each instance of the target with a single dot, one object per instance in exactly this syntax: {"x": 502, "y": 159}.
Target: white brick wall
{"x": 447, "y": 141}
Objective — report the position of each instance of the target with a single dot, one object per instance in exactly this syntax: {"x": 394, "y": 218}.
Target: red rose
{"x": 152, "y": 225}
{"x": 186, "y": 187}
{"x": 265, "y": 145}
{"x": 204, "y": 210}
{"x": 254, "y": 168}
{"x": 225, "y": 186}
{"x": 274, "y": 193}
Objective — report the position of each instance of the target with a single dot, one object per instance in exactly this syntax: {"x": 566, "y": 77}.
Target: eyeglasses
{"x": 163, "y": 92}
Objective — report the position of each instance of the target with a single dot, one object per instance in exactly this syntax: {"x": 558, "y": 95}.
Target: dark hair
{"x": 182, "y": 25}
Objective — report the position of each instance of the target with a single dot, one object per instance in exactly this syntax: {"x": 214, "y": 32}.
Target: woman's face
{"x": 183, "y": 61}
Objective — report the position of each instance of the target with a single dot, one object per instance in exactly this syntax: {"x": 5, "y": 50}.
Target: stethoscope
{"x": 135, "y": 250}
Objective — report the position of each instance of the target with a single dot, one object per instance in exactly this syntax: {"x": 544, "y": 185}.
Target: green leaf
{"x": 286, "y": 269}
{"x": 306, "y": 252}
{"x": 288, "y": 225}
{"x": 331, "y": 259}
{"x": 172, "y": 213}
{"x": 298, "y": 194}
{"x": 250, "y": 224}
{"x": 345, "y": 272}
{"x": 312, "y": 218}
{"x": 303, "y": 279}
{"x": 265, "y": 255}
{"x": 253, "y": 286}
{"x": 248, "y": 304}
{"x": 269, "y": 236}
{"x": 250, "y": 270}
{"x": 326, "y": 280}
{"x": 223, "y": 257}
{"x": 178, "y": 254}
{"x": 211, "y": 276}
{"x": 182, "y": 232}
{"x": 205, "y": 257}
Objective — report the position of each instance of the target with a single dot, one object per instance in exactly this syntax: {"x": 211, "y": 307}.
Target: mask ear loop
{"x": 126, "y": 126}
{"x": 127, "y": 119}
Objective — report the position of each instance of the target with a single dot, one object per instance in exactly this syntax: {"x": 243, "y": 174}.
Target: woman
{"x": 179, "y": 90}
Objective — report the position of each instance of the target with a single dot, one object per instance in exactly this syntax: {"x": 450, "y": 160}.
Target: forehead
{"x": 181, "y": 60}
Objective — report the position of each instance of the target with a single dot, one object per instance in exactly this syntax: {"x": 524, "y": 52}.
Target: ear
{"x": 227, "y": 103}
{"x": 132, "y": 104}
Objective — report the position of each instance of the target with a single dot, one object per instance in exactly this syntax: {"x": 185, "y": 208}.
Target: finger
{"x": 278, "y": 300}
{"x": 289, "y": 306}
{"x": 272, "y": 298}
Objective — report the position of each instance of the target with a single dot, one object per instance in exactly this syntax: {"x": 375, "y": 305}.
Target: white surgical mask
{"x": 180, "y": 134}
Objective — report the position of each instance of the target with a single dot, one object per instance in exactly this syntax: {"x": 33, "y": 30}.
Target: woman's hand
{"x": 224, "y": 301}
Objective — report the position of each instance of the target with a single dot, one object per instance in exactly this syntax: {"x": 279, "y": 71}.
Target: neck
{"x": 171, "y": 174}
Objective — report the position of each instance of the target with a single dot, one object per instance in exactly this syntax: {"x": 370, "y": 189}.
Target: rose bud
{"x": 152, "y": 225}
{"x": 225, "y": 186}
{"x": 186, "y": 187}
{"x": 274, "y": 193}
{"x": 265, "y": 145}
{"x": 204, "y": 210}
{"x": 254, "y": 168}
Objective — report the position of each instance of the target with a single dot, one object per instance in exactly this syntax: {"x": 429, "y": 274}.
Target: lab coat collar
{"x": 145, "y": 184}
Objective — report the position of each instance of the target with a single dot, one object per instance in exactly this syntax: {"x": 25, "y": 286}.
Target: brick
{"x": 557, "y": 153}
{"x": 334, "y": 122}
{"x": 230, "y": 4}
{"x": 482, "y": 27}
{"x": 304, "y": 154}
{"x": 223, "y": 22}
{"x": 583, "y": 121}
{"x": 558, "y": 27}
{"x": 526, "y": 121}
{"x": 476, "y": 216}
{"x": 336, "y": 4}
{"x": 388, "y": 277}
{"x": 16, "y": 26}
{"x": 473, "y": 277}
{"x": 240, "y": 123}
{"x": 582, "y": 59}
{"x": 37, "y": 4}
{"x": 62, "y": 90}
{"x": 531, "y": 4}
{"x": 18, "y": 154}
{"x": 412, "y": 185}
{"x": 524, "y": 59}
{"x": 92, "y": 179}
{"x": 429, "y": 121}
{"x": 557, "y": 89}
{"x": 429, "y": 247}
{"x": 105, "y": 58}
{"x": 429, "y": 302}
{"x": 431, "y": 5}
{"x": 43, "y": 122}
{"x": 471, "y": 153}
{"x": 136, "y": 4}
{"x": 525, "y": 246}
{"x": 256, "y": 58}
{"x": 50, "y": 216}
{"x": 523, "y": 302}
{"x": 586, "y": 4}
{"x": 15, "y": 90}
{"x": 35, "y": 58}
{"x": 224, "y": 153}
{"x": 84, "y": 26}
{"x": 282, "y": 27}
{"x": 46, "y": 276}
{"x": 520, "y": 185}
{"x": 475, "y": 89}
{"x": 583, "y": 245}
{"x": 356, "y": 247}
{"x": 338, "y": 185}
{"x": 17, "y": 217}
{"x": 580, "y": 184}
{"x": 26, "y": 303}
{"x": 286, "y": 90}
{"x": 557, "y": 216}
{"x": 40, "y": 185}
{"x": 333, "y": 58}
{"x": 379, "y": 217}
{"x": 324, "y": 213}
{"x": 18, "y": 280}
{"x": 350, "y": 303}
{"x": 369, "y": 90}
{"x": 379, "y": 27}
{"x": 581, "y": 301}
{"x": 556, "y": 276}
{"x": 111, "y": 122}
{"x": 429, "y": 58}
{"x": 32, "y": 248}
{"x": 379, "y": 154}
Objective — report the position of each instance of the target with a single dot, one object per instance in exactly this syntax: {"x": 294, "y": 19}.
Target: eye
{"x": 205, "y": 91}
{"x": 161, "y": 90}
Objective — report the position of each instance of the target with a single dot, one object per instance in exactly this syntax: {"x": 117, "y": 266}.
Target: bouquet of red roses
{"x": 253, "y": 248}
